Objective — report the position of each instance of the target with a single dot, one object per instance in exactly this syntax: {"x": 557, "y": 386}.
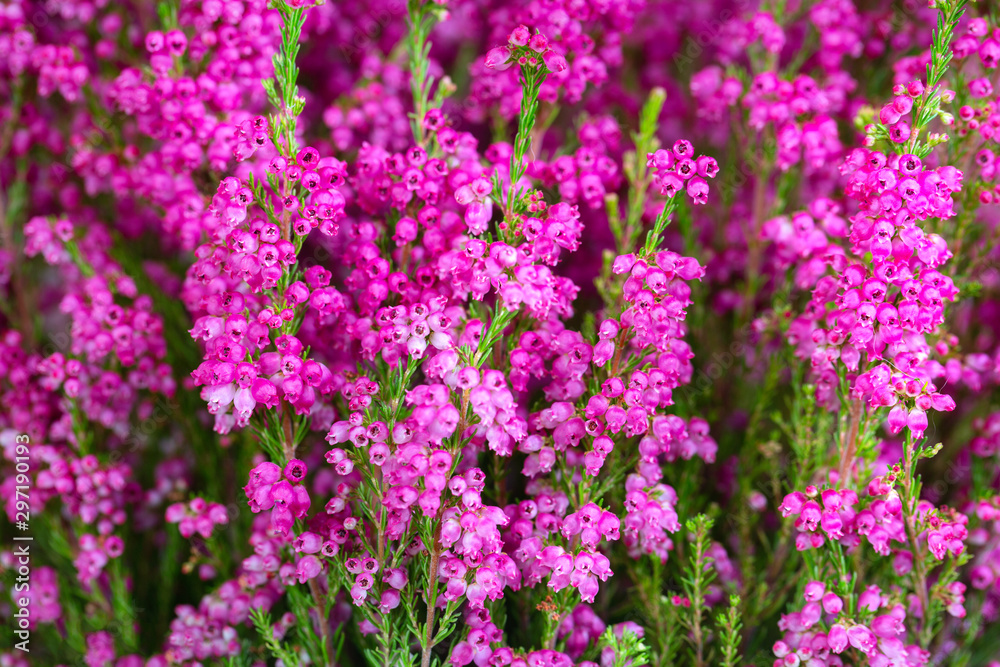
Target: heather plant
{"x": 538, "y": 333}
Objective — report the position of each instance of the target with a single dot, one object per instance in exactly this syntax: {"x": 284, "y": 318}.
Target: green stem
{"x": 911, "y": 495}
{"x": 283, "y": 90}
{"x": 645, "y": 142}
{"x": 532, "y": 77}
{"x": 662, "y": 220}
{"x": 926, "y": 108}
{"x": 432, "y": 591}
{"x": 421, "y": 18}
{"x": 699, "y": 576}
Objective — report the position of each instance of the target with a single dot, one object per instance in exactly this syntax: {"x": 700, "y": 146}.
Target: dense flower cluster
{"x": 197, "y": 516}
{"x": 678, "y": 169}
{"x": 508, "y": 372}
{"x": 878, "y": 639}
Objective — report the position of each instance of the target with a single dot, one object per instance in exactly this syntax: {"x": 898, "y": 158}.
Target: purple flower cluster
{"x": 421, "y": 279}
{"x": 197, "y": 516}
{"x": 280, "y": 491}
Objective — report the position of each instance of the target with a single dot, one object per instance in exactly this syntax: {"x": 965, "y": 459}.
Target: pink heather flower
{"x": 519, "y": 36}
{"x": 899, "y": 132}
{"x": 389, "y": 601}
{"x": 697, "y": 189}
{"x": 814, "y": 591}
{"x": 114, "y": 546}
{"x": 792, "y": 504}
{"x": 989, "y": 53}
{"x": 887, "y": 626}
{"x": 383, "y": 303}
{"x": 916, "y": 420}
{"x": 307, "y": 568}
{"x": 295, "y": 471}
{"x": 554, "y": 62}
{"x": 897, "y": 419}
{"x": 838, "y": 638}
{"x": 832, "y": 604}
{"x": 498, "y": 58}
{"x": 861, "y": 638}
